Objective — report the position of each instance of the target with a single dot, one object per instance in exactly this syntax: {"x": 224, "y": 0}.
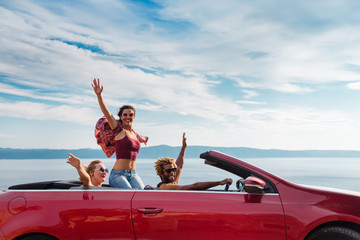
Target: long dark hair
{"x": 121, "y": 110}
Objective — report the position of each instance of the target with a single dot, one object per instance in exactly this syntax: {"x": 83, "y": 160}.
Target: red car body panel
{"x": 306, "y": 208}
{"x": 282, "y": 211}
{"x": 71, "y": 214}
{"x": 208, "y": 216}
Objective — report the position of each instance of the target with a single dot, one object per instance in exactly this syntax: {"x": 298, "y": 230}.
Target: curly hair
{"x": 159, "y": 164}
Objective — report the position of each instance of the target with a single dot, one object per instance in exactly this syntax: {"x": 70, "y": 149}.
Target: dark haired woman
{"x": 127, "y": 143}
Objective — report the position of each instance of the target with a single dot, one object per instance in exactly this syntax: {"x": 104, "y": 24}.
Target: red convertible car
{"x": 263, "y": 206}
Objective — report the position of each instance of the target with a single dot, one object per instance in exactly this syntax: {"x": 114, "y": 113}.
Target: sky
{"x": 260, "y": 74}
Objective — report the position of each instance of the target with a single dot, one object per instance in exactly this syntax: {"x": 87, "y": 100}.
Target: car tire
{"x": 334, "y": 233}
{"x": 38, "y": 237}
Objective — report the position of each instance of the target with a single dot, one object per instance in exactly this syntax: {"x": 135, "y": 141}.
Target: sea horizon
{"x": 340, "y": 173}
{"x": 170, "y": 151}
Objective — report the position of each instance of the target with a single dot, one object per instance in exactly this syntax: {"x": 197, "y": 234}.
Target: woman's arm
{"x": 98, "y": 90}
{"x": 76, "y": 163}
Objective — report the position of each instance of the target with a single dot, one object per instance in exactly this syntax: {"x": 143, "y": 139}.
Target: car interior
{"x": 243, "y": 179}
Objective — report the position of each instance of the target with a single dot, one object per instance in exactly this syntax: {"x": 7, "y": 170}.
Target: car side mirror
{"x": 254, "y": 185}
{"x": 240, "y": 184}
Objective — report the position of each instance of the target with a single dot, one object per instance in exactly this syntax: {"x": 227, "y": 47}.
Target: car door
{"x": 207, "y": 215}
{"x": 70, "y": 215}
{"x": 101, "y": 214}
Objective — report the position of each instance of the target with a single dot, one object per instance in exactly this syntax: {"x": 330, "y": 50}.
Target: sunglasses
{"x": 170, "y": 170}
{"x": 104, "y": 170}
{"x": 125, "y": 114}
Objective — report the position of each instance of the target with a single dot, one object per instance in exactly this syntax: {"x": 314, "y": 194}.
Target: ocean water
{"x": 342, "y": 173}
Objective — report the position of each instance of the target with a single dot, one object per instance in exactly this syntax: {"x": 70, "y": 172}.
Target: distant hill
{"x": 168, "y": 151}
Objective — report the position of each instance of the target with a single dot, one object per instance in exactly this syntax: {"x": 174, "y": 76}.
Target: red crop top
{"x": 127, "y": 148}
{"x": 105, "y": 138}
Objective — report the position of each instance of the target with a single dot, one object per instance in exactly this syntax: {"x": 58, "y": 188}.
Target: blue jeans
{"x": 125, "y": 179}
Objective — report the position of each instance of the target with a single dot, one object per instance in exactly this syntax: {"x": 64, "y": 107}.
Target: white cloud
{"x": 249, "y": 102}
{"x": 240, "y": 41}
{"x": 290, "y": 62}
{"x": 354, "y": 85}
{"x": 41, "y": 111}
{"x": 249, "y": 94}
{"x": 294, "y": 56}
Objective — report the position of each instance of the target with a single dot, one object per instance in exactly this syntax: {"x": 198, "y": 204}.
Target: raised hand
{"x": 184, "y": 144}
{"x": 73, "y": 161}
{"x": 96, "y": 86}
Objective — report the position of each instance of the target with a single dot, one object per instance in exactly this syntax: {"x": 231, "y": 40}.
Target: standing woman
{"x": 127, "y": 144}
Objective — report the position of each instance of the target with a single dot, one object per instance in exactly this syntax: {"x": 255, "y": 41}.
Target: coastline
{"x": 169, "y": 151}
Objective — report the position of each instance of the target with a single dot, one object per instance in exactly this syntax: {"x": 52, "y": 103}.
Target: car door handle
{"x": 150, "y": 211}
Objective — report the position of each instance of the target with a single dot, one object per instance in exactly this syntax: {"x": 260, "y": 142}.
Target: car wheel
{"x": 334, "y": 233}
{"x": 38, "y": 237}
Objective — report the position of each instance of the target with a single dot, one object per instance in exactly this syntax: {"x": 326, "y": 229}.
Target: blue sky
{"x": 263, "y": 74}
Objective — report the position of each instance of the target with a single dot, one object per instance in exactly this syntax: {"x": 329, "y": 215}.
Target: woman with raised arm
{"x": 126, "y": 143}
{"x": 93, "y": 175}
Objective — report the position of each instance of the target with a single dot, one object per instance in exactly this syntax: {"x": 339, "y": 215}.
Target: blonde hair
{"x": 159, "y": 164}
{"x": 91, "y": 167}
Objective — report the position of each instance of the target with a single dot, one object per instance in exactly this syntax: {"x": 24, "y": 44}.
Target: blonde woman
{"x": 93, "y": 175}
